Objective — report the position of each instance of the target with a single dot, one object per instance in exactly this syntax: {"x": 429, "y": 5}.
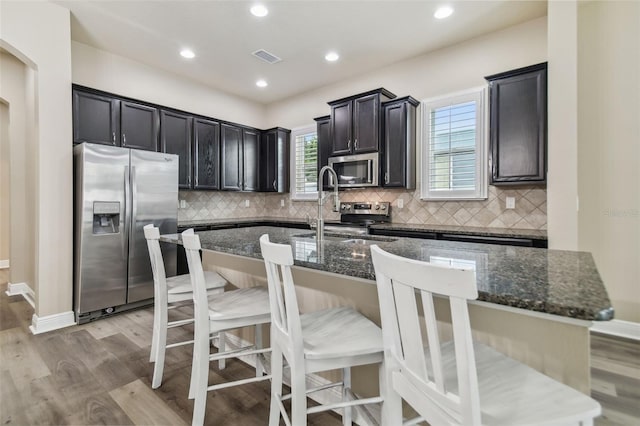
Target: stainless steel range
{"x": 356, "y": 216}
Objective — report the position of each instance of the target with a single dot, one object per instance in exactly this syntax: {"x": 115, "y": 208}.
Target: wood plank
{"x": 19, "y": 357}
{"x": 11, "y": 403}
{"x": 143, "y": 406}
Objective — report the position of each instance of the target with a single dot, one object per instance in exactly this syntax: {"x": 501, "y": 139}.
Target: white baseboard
{"x": 51, "y": 322}
{"x": 22, "y": 289}
{"x": 4, "y": 264}
{"x": 619, "y": 328}
{"x": 325, "y": 396}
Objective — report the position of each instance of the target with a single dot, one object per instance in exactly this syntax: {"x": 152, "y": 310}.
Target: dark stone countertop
{"x": 460, "y": 230}
{"x": 564, "y": 283}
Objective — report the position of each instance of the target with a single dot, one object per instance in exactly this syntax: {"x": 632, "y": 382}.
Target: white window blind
{"x": 454, "y": 160}
{"x": 305, "y": 164}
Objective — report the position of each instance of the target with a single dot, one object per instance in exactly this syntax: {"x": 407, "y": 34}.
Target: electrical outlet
{"x": 400, "y": 203}
{"x": 282, "y": 203}
{"x": 183, "y": 204}
{"x": 511, "y": 202}
{"x": 247, "y": 203}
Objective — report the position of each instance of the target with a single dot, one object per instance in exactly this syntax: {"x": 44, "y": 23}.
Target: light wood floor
{"x": 99, "y": 373}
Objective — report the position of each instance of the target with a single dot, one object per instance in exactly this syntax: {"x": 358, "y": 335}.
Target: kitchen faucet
{"x": 336, "y": 207}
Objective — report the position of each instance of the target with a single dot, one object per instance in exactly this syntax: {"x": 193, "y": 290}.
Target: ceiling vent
{"x": 266, "y": 56}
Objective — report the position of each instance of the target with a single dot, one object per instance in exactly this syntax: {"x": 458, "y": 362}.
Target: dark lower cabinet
{"x": 175, "y": 138}
{"x": 399, "y": 143}
{"x": 206, "y": 149}
{"x": 96, "y": 118}
{"x": 274, "y": 160}
{"x": 139, "y": 126}
{"x": 518, "y": 126}
{"x": 324, "y": 145}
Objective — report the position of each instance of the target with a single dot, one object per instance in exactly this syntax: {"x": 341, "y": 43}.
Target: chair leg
{"x": 160, "y": 338}
{"x": 298, "y": 394}
{"x": 222, "y": 363}
{"x": 276, "y": 385}
{"x": 391, "y": 412}
{"x": 195, "y": 359}
{"x": 259, "y": 366}
{"x": 346, "y": 387}
{"x": 200, "y": 378}
{"x": 152, "y": 352}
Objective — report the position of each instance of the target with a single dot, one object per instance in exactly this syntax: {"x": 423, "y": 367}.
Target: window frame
{"x": 295, "y": 195}
{"x": 478, "y": 95}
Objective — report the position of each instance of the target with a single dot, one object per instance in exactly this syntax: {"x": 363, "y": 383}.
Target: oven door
{"x": 355, "y": 171}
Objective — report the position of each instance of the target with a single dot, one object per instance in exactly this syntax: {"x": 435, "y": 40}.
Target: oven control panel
{"x": 381, "y": 208}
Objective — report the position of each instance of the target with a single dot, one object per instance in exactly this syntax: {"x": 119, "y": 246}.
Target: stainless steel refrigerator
{"x": 117, "y": 192}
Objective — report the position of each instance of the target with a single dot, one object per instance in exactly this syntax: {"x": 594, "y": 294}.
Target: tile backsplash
{"x": 530, "y": 210}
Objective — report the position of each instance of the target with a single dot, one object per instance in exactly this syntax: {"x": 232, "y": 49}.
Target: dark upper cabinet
{"x": 175, "y": 138}
{"x": 324, "y": 145}
{"x": 206, "y": 150}
{"x": 274, "y": 160}
{"x": 399, "y": 143}
{"x": 250, "y": 158}
{"x": 96, "y": 118}
{"x": 230, "y": 157}
{"x": 355, "y": 122}
{"x": 518, "y": 126}
{"x": 139, "y": 126}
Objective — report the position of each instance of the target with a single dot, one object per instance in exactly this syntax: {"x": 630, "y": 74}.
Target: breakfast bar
{"x": 535, "y": 305}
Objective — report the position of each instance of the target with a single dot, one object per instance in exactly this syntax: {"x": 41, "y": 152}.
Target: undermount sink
{"x": 350, "y": 239}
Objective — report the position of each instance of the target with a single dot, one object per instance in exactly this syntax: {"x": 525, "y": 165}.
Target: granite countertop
{"x": 461, "y": 230}
{"x": 564, "y": 283}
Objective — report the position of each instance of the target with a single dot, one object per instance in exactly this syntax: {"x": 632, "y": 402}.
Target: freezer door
{"x": 100, "y": 228}
{"x": 154, "y": 199}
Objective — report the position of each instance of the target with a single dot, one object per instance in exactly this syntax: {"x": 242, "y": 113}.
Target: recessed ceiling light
{"x": 443, "y": 12}
{"x": 259, "y": 10}
{"x": 187, "y": 53}
{"x": 332, "y": 56}
{"x": 261, "y": 83}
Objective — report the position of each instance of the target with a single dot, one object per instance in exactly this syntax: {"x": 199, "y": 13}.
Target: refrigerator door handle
{"x": 127, "y": 215}
{"x": 134, "y": 207}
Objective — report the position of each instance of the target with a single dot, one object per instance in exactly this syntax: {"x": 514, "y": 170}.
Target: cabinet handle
{"x": 355, "y": 145}
{"x": 275, "y": 188}
{"x": 349, "y": 145}
{"x": 113, "y": 137}
{"x": 386, "y": 177}
{"x": 124, "y": 139}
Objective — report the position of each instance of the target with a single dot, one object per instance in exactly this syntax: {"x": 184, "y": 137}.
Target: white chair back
{"x": 285, "y": 316}
{"x": 401, "y": 284}
{"x": 152, "y": 235}
{"x": 191, "y": 244}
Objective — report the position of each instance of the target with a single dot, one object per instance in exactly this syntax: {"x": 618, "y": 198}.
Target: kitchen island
{"x": 534, "y": 304}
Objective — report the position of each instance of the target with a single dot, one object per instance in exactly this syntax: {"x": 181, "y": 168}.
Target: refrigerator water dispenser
{"x": 106, "y": 217}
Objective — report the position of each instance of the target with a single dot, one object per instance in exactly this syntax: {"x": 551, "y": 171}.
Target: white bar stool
{"x": 170, "y": 293}
{"x": 336, "y": 338}
{"x": 460, "y": 382}
{"x": 227, "y": 311}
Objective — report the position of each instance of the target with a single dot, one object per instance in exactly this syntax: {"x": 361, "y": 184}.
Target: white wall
{"x": 102, "y": 70}
{"x": 5, "y": 177}
{"x": 38, "y": 33}
{"x": 447, "y": 70}
{"x": 609, "y": 147}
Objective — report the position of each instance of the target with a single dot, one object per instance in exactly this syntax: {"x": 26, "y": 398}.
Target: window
{"x": 454, "y": 153}
{"x": 304, "y": 185}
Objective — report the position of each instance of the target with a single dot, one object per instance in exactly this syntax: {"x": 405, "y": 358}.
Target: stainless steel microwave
{"x": 355, "y": 171}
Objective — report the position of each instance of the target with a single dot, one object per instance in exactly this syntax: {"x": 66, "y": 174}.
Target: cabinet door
{"x": 269, "y": 161}
{"x": 206, "y": 147}
{"x": 230, "y": 157}
{"x": 324, "y": 146}
{"x": 139, "y": 125}
{"x": 366, "y": 123}
{"x": 518, "y": 129}
{"x": 250, "y": 158}
{"x": 175, "y": 138}
{"x": 395, "y": 119}
{"x": 341, "y": 128}
{"x": 95, "y": 119}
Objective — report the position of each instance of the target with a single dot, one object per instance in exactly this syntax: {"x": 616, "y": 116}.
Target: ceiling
{"x": 223, "y": 34}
